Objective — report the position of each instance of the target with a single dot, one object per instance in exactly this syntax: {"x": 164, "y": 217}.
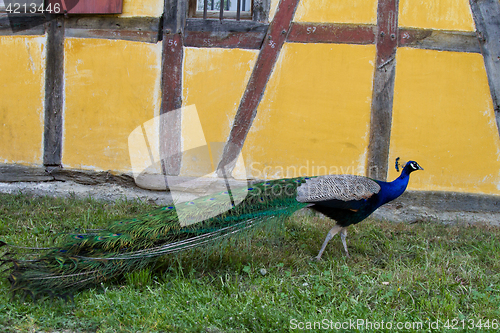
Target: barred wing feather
{"x": 337, "y": 187}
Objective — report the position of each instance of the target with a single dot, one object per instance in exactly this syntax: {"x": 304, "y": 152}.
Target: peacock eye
{"x": 414, "y": 166}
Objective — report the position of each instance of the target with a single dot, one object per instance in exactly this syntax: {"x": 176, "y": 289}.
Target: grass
{"x": 426, "y": 274}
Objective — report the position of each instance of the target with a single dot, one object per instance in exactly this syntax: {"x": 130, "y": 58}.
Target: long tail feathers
{"x": 84, "y": 260}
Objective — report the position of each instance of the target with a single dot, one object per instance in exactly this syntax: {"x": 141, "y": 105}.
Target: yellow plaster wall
{"x": 315, "y": 113}
{"x": 22, "y": 80}
{"x": 337, "y": 11}
{"x": 436, "y": 14}
{"x": 142, "y": 8}
{"x": 443, "y": 118}
{"x": 214, "y": 81}
{"x": 111, "y": 87}
{"x": 273, "y": 8}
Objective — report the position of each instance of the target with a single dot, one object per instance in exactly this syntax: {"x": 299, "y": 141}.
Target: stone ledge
{"x": 412, "y": 206}
{"x": 21, "y": 173}
{"x": 197, "y": 185}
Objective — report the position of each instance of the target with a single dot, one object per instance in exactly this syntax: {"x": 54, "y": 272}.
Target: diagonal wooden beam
{"x": 383, "y": 89}
{"x": 256, "y": 86}
{"x": 486, "y": 15}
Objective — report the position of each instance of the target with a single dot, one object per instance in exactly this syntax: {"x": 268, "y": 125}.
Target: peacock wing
{"x": 343, "y": 191}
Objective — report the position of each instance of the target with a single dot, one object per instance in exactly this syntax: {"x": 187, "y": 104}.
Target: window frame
{"x": 259, "y": 11}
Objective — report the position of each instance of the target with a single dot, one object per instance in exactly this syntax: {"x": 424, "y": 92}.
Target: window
{"x": 221, "y": 9}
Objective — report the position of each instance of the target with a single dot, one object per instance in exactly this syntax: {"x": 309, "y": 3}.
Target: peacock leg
{"x": 330, "y": 235}
{"x": 343, "y": 235}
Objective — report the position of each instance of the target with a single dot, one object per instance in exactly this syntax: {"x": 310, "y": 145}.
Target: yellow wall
{"x": 315, "y": 112}
{"x": 436, "y": 14}
{"x": 313, "y": 119}
{"x": 111, "y": 87}
{"x": 142, "y": 8}
{"x": 272, "y": 9}
{"x": 443, "y": 118}
{"x": 337, "y": 11}
{"x": 22, "y": 80}
{"x": 214, "y": 81}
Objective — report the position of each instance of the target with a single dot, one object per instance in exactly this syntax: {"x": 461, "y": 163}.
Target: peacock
{"x": 82, "y": 260}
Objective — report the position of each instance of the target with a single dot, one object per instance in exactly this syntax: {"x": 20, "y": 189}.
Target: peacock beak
{"x": 419, "y": 167}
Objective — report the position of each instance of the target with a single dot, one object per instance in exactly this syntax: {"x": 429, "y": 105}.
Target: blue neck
{"x": 391, "y": 190}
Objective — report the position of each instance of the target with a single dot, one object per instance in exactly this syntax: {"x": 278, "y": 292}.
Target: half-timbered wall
{"x": 304, "y": 87}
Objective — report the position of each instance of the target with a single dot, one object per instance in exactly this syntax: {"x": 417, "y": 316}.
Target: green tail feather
{"x": 83, "y": 260}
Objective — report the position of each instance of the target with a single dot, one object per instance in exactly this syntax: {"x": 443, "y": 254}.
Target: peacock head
{"x": 411, "y": 166}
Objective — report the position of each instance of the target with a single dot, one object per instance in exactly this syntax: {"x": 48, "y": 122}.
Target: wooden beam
{"x": 383, "y": 89}
{"x": 137, "y": 29}
{"x": 226, "y": 33}
{"x": 54, "y": 83}
{"x": 256, "y": 86}
{"x": 240, "y": 40}
{"x": 456, "y": 41}
{"x": 22, "y": 24}
{"x": 486, "y": 15}
{"x": 21, "y": 173}
{"x": 171, "y": 86}
{"x": 331, "y": 33}
{"x": 216, "y": 26}
{"x": 387, "y": 37}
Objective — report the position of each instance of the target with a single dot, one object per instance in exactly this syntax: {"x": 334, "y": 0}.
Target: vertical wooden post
{"x": 486, "y": 15}
{"x": 171, "y": 86}
{"x": 54, "y": 82}
{"x": 383, "y": 89}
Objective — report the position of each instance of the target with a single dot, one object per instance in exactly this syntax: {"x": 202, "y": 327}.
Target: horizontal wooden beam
{"x": 216, "y": 26}
{"x": 226, "y": 33}
{"x": 22, "y": 24}
{"x": 458, "y": 41}
{"x": 88, "y": 177}
{"x": 138, "y": 29}
{"x": 236, "y": 34}
{"x": 332, "y": 33}
{"x": 10, "y": 173}
{"x": 241, "y": 40}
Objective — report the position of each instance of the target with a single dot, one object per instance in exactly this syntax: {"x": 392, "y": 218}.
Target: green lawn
{"x": 416, "y": 277}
